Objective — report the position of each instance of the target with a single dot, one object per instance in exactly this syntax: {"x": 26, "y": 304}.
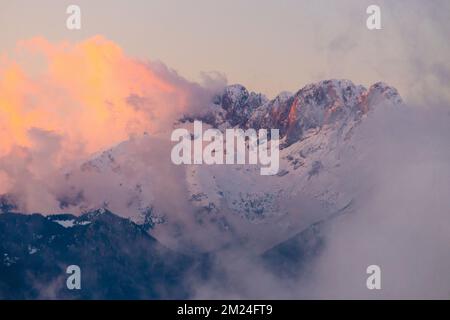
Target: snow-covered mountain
{"x": 208, "y": 207}
{"x": 191, "y": 221}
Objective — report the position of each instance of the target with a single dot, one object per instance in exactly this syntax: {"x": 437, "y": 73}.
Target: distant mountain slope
{"x": 117, "y": 258}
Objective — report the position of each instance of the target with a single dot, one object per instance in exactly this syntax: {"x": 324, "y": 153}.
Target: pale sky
{"x": 267, "y": 45}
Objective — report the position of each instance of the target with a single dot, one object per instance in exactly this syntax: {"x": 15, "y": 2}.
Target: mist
{"x": 399, "y": 220}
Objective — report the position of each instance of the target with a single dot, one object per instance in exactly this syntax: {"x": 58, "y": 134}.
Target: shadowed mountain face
{"x": 290, "y": 258}
{"x": 118, "y": 259}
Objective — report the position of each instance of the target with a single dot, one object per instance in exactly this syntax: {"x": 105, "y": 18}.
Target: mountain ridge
{"x": 289, "y": 112}
{"x": 118, "y": 259}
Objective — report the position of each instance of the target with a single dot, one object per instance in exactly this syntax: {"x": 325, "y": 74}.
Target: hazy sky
{"x": 267, "y": 45}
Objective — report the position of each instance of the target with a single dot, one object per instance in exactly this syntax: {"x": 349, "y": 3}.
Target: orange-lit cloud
{"x": 90, "y": 93}
{"x": 60, "y": 103}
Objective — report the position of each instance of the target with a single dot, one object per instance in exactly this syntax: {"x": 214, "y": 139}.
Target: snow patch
{"x": 65, "y": 223}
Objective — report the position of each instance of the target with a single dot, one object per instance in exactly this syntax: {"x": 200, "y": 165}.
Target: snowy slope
{"x": 207, "y": 207}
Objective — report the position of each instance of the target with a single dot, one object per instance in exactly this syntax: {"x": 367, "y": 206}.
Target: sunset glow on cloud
{"x": 90, "y": 94}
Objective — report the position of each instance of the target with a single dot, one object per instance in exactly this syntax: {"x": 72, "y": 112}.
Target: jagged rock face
{"x": 239, "y": 104}
{"x": 380, "y": 93}
{"x": 274, "y": 114}
{"x": 324, "y": 103}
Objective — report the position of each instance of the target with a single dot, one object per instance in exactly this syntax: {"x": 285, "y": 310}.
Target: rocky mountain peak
{"x": 381, "y": 92}
{"x": 315, "y": 105}
{"x": 238, "y": 103}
